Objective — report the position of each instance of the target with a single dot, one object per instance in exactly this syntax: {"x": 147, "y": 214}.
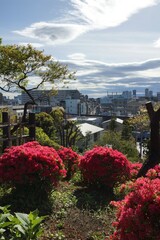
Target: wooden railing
{"x": 8, "y": 138}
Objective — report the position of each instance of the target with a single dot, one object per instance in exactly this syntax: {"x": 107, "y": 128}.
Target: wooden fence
{"x": 8, "y": 138}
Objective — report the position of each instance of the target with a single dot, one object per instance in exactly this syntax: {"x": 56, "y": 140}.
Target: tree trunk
{"x": 154, "y": 156}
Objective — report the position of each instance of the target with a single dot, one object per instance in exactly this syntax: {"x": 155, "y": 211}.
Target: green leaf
{"x": 20, "y": 229}
{"x": 2, "y": 230}
{"x": 23, "y": 218}
{"x": 5, "y": 209}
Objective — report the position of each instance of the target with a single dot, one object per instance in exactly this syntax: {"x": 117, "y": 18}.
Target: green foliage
{"x": 67, "y": 133}
{"x": 18, "y": 63}
{"x": 45, "y": 121}
{"x": 140, "y": 121}
{"x": 112, "y": 125}
{"x": 44, "y": 139}
{"x": 20, "y": 225}
{"x": 127, "y": 147}
{"x": 126, "y": 131}
{"x": 63, "y": 201}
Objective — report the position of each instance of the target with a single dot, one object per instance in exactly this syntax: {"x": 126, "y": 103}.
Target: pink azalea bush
{"x": 70, "y": 160}
{"x": 104, "y": 166}
{"x": 138, "y": 215}
{"x": 123, "y": 189}
{"x": 154, "y": 172}
{"x": 134, "y": 169}
{"x": 30, "y": 163}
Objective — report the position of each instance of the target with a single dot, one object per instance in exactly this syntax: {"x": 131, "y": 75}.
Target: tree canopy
{"x": 20, "y": 65}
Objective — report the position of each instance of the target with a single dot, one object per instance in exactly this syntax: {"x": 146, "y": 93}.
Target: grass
{"x": 74, "y": 211}
{"x": 79, "y": 212}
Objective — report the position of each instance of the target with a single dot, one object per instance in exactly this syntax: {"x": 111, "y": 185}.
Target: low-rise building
{"x": 90, "y": 133}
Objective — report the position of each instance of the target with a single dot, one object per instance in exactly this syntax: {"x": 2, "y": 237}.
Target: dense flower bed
{"x": 154, "y": 172}
{"x": 70, "y": 160}
{"x": 104, "y": 166}
{"x": 29, "y": 163}
{"x": 134, "y": 169}
{"x": 138, "y": 215}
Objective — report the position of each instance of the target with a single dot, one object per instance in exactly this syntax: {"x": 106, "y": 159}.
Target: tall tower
{"x": 146, "y": 92}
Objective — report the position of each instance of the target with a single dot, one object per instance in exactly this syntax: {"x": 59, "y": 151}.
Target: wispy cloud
{"x": 97, "y": 78}
{"x": 157, "y": 43}
{"x": 108, "y": 13}
{"x": 85, "y": 15}
{"x": 36, "y": 45}
{"x": 53, "y": 33}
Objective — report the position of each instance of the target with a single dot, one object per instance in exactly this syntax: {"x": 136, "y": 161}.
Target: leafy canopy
{"x": 21, "y": 64}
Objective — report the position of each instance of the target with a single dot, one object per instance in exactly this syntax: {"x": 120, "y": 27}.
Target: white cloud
{"x": 77, "y": 56}
{"x": 157, "y": 43}
{"x": 53, "y": 33}
{"x": 36, "y": 45}
{"x": 95, "y": 78}
{"x": 85, "y": 15}
{"x": 108, "y": 13}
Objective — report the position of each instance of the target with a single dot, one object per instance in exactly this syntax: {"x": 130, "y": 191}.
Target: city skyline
{"x": 112, "y": 45}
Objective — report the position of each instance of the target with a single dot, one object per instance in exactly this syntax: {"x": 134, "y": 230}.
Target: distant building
{"x": 63, "y": 94}
{"x": 127, "y": 94}
{"x": 158, "y": 96}
{"x": 150, "y": 94}
{"x": 44, "y": 97}
{"x": 118, "y": 124}
{"x": 41, "y": 97}
{"x": 72, "y": 106}
{"x": 90, "y": 120}
{"x": 134, "y": 93}
{"x": 147, "y": 93}
{"x": 90, "y": 133}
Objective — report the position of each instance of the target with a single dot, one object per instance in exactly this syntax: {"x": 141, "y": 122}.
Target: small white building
{"x": 118, "y": 124}
{"x": 90, "y": 133}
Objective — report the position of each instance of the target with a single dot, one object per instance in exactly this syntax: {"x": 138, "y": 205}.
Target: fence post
{"x": 5, "y": 120}
{"x": 32, "y": 129}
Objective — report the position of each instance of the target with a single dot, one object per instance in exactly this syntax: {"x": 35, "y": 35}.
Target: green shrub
{"x": 20, "y": 225}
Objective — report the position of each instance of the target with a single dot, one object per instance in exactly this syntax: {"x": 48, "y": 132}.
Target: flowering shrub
{"x": 134, "y": 169}
{"x": 70, "y": 160}
{"x": 29, "y": 163}
{"x": 154, "y": 172}
{"x": 138, "y": 215}
{"x": 121, "y": 190}
{"x": 104, "y": 166}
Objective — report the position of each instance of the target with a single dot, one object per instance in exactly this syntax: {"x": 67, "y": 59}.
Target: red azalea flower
{"x": 105, "y": 166}
{"x": 31, "y": 162}
{"x": 139, "y": 213}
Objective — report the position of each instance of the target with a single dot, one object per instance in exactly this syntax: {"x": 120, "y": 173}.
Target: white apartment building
{"x": 72, "y": 106}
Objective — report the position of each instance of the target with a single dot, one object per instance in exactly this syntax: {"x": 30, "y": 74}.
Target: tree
{"x": 18, "y": 64}
{"x": 67, "y": 133}
{"x": 154, "y": 155}
{"x": 45, "y": 121}
{"x": 44, "y": 139}
{"x": 126, "y": 131}
{"x": 115, "y": 140}
{"x": 113, "y": 124}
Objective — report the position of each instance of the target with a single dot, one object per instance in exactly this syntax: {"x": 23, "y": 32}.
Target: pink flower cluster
{"x": 134, "y": 169}
{"x": 138, "y": 215}
{"x": 70, "y": 159}
{"x": 30, "y": 162}
{"x": 154, "y": 172}
{"x": 104, "y": 166}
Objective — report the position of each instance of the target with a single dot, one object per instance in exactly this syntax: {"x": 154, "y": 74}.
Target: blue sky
{"x": 112, "y": 45}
